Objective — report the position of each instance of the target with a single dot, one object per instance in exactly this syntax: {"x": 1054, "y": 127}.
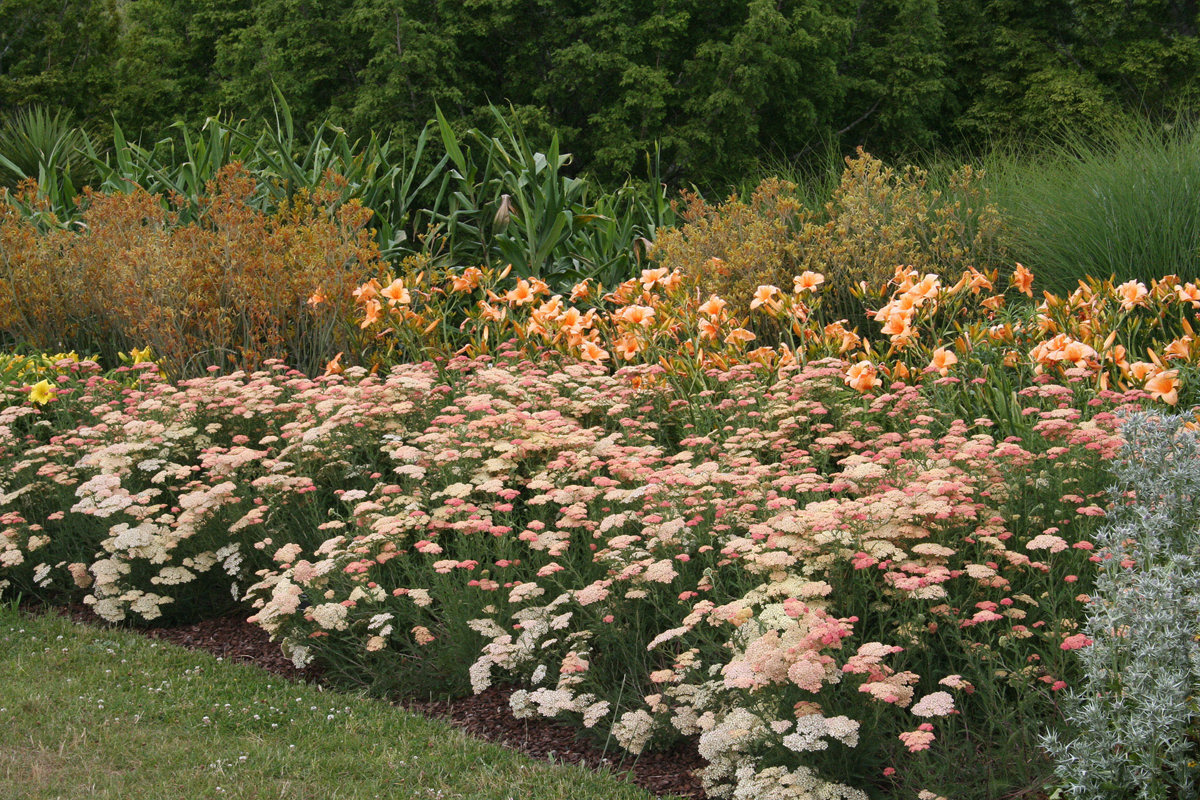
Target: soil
{"x": 486, "y": 716}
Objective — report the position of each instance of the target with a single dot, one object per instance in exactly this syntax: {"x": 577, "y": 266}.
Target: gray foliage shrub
{"x": 1133, "y": 720}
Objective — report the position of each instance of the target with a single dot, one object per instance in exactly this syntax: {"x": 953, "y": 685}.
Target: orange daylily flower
{"x": 900, "y": 372}
{"x": 764, "y": 296}
{"x": 373, "y": 311}
{"x": 1132, "y": 293}
{"x": 807, "y": 281}
{"x": 492, "y": 313}
{"x": 897, "y": 327}
{"x": 627, "y": 347}
{"x": 977, "y": 281}
{"x": 862, "y": 376}
{"x": 1189, "y": 292}
{"x": 926, "y": 289}
{"x": 1022, "y": 278}
{"x": 396, "y": 293}
{"x": 1165, "y": 386}
{"x": 650, "y": 277}
{"x": 846, "y": 340}
{"x": 317, "y": 298}
{"x": 521, "y": 294}
{"x": 713, "y": 306}
{"x": 368, "y": 291}
{"x": 636, "y": 315}
{"x": 590, "y": 351}
{"x": 993, "y": 303}
{"x": 570, "y": 320}
{"x": 334, "y": 367}
{"x": 709, "y": 329}
{"x": 468, "y": 281}
{"x": 1180, "y": 348}
{"x": 580, "y": 290}
{"x": 672, "y": 281}
{"x": 942, "y": 360}
{"x": 548, "y": 310}
{"x": 1141, "y": 370}
{"x": 739, "y": 336}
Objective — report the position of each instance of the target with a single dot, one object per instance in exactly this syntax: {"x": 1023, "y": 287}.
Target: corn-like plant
{"x": 1135, "y": 716}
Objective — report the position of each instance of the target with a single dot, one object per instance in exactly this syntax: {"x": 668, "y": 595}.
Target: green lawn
{"x": 87, "y": 712}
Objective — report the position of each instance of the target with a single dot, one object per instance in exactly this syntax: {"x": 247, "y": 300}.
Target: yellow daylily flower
{"x": 41, "y": 392}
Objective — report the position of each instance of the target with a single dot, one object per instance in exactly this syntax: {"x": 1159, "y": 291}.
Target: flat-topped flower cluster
{"x": 836, "y": 590}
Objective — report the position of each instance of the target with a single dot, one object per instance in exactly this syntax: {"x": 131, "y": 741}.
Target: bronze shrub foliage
{"x": 231, "y": 289}
{"x": 877, "y": 219}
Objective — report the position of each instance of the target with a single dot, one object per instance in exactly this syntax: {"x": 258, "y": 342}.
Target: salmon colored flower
{"x": 1189, "y": 292}
{"x": 373, "y": 312}
{"x": 1132, "y": 293}
{"x": 846, "y": 340}
{"x": 627, "y": 347}
{"x": 571, "y": 320}
{"x": 942, "y": 360}
{"x": 709, "y": 329}
{"x": 673, "y": 281}
{"x": 862, "y": 377}
{"x": 993, "y": 303}
{"x": 368, "y": 291}
{"x": 897, "y": 327}
{"x": 590, "y": 351}
{"x": 1180, "y": 348}
{"x": 926, "y": 289}
{"x": 580, "y": 290}
{"x": 739, "y": 336}
{"x": 468, "y": 281}
{"x": 396, "y": 293}
{"x": 1022, "y": 278}
{"x": 521, "y": 294}
{"x": 977, "y": 281}
{"x": 765, "y": 296}
{"x": 713, "y": 306}
{"x": 650, "y": 277}
{"x": 334, "y": 367}
{"x": 636, "y": 315}
{"x": 1142, "y": 370}
{"x": 492, "y": 313}
{"x": 318, "y": 297}
{"x": 807, "y": 281}
{"x": 1165, "y": 386}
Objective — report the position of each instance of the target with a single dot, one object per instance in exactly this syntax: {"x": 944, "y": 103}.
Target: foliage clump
{"x": 1135, "y": 714}
{"x": 230, "y": 288}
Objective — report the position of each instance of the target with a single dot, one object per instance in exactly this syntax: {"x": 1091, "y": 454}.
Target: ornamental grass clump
{"x": 1134, "y": 717}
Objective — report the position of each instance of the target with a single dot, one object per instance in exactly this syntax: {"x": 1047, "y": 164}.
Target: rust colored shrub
{"x": 232, "y": 288}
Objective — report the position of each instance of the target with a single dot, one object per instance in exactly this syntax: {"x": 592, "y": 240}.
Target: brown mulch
{"x": 485, "y": 716}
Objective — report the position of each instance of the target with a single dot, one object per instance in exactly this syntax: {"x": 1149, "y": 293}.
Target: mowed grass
{"x": 88, "y": 712}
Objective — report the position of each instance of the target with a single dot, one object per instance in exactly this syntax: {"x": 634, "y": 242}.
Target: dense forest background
{"x": 721, "y": 86}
